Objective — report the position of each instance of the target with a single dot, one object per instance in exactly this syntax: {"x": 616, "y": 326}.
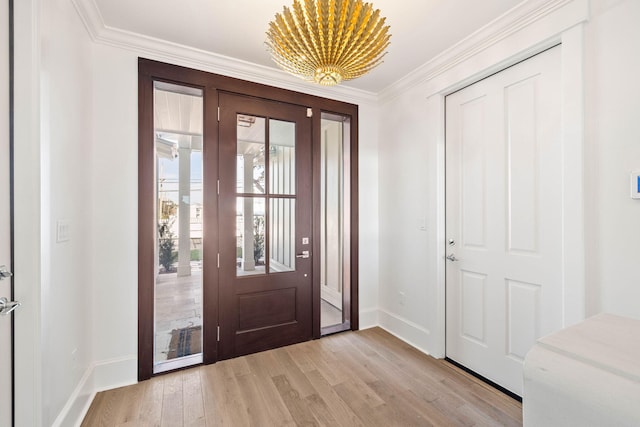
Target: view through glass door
{"x": 178, "y": 132}
{"x": 265, "y": 225}
{"x": 335, "y": 223}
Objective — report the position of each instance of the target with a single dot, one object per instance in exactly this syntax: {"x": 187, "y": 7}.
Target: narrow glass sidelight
{"x": 178, "y": 125}
{"x": 335, "y": 222}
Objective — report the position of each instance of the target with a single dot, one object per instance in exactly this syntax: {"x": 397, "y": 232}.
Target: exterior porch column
{"x": 248, "y": 262}
{"x": 184, "y": 207}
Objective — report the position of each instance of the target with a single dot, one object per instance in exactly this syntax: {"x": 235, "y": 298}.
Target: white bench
{"x": 585, "y": 375}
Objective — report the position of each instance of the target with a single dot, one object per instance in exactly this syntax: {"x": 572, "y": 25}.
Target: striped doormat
{"x": 185, "y": 342}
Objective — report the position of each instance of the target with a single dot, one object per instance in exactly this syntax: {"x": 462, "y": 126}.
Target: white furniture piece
{"x": 585, "y": 375}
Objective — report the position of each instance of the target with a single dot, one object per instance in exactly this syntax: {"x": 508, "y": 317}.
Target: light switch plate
{"x": 635, "y": 185}
{"x": 63, "y": 232}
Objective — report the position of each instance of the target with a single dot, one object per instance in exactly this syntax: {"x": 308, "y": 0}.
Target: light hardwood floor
{"x": 365, "y": 378}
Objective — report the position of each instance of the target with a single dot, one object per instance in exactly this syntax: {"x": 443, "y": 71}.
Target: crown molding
{"x": 506, "y": 25}
{"x": 162, "y": 50}
{"x": 90, "y": 16}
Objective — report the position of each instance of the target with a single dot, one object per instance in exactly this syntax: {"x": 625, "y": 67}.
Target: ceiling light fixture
{"x": 328, "y": 41}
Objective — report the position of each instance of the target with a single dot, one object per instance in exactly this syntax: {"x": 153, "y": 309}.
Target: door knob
{"x": 452, "y": 257}
{"x": 7, "y": 306}
{"x": 304, "y": 254}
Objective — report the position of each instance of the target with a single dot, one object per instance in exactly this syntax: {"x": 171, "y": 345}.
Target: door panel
{"x": 6, "y": 329}
{"x": 265, "y": 215}
{"x": 504, "y": 275}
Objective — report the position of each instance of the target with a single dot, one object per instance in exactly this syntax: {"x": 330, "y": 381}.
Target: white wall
{"x": 115, "y": 208}
{"x": 612, "y": 152}
{"x": 66, "y": 148}
{"x": 407, "y": 205}
{"x": 409, "y": 152}
{"x": 368, "y": 214}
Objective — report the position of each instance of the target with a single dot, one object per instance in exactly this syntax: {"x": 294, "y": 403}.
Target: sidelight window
{"x": 178, "y": 131}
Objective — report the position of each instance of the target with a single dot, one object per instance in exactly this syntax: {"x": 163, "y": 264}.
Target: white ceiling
{"x": 420, "y": 29}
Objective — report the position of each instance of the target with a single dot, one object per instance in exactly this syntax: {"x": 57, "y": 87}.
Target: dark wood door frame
{"x": 150, "y": 71}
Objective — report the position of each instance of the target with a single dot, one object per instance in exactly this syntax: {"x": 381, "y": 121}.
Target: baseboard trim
{"x": 406, "y": 330}
{"x": 99, "y": 376}
{"x": 368, "y": 318}
{"x": 114, "y": 373}
{"x": 78, "y": 404}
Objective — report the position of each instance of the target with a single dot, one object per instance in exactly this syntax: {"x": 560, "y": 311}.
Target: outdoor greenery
{"x": 258, "y": 242}
{"x": 166, "y": 246}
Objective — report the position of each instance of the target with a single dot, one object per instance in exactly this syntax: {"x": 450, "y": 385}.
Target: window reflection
{"x": 282, "y": 157}
{"x": 282, "y": 232}
{"x": 250, "y": 176}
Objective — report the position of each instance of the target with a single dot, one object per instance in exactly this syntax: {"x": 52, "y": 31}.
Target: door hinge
{"x": 309, "y": 112}
{"x": 218, "y": 187}
{"x": 218, "y": 333}
{"x": 218, "y": 113}
{"x": 218, "y": 259}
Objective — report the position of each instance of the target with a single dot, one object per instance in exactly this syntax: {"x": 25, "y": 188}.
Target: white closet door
{"x": 504, "y": 217}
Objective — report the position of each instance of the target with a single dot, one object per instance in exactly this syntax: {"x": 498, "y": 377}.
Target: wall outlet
{"x": 401, "y": 298}
{"x": 421, "y": 223}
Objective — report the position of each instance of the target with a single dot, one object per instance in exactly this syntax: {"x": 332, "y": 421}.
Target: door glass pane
{"x": 282, "y": 157}
{"x": 250, "y": 175}
{"x": 178, "y": 122}
{"x": 282, "y": 215}
{"x": 334, "y": 226}
{"x": 250, "y": 236}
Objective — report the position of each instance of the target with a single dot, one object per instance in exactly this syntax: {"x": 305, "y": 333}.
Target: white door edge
{"x": 28, "y": 218}
{"x": 6, "y": 329}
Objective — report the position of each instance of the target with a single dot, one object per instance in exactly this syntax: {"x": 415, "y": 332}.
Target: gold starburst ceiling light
{"x": 328, "y": 41}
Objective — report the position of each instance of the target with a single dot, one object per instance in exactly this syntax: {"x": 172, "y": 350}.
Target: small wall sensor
{"x": 635, "y": 185}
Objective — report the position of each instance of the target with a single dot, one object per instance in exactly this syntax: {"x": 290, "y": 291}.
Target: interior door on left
{"x": 6, "y": 329}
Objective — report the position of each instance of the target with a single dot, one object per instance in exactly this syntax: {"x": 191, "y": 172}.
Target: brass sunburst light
{"x": 328, "y": 41}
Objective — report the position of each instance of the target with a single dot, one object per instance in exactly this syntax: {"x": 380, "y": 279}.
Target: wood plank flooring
{"x": 364, "y": 378}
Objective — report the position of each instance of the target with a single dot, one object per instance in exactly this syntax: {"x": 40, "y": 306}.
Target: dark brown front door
{"x": 265, "y": 225}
